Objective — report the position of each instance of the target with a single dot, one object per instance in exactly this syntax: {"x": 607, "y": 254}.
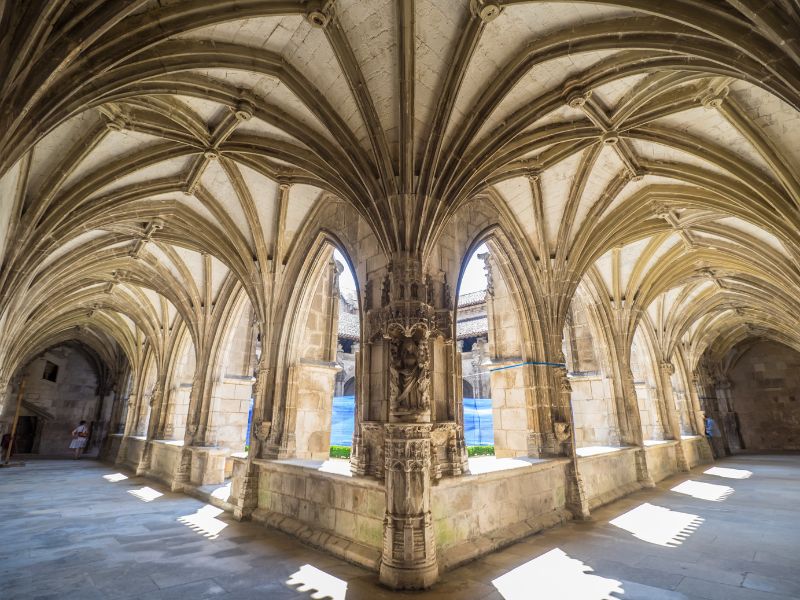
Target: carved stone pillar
{"x": 576, "y": 500}
{"x": 406, "y": 413}
{"x": 667, "y": 369}
{"x": 247, "y": 500}
{"x": 156, "y": 399}
{"x": 409, "y": 546}
{"x": 695, "y": 390}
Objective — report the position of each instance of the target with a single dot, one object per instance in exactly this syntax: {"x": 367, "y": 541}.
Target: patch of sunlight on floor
{"x": 222, "y": 492}
{"x": 595, "y": 450}
{"x": 205, "y": 521}
{"x": 729, "y": 473}
{"x": 146, "y": 494}
{"x": 115, "y": 477}
{"x": 655, "y": 442}
{"x": 658, "y": 525}
{"x": 555, "y": 575}
{"x": 490, "y": 464}
{"x": 339, "y": 466}
{"x": 704, "y": 491}
{"x": 311, "y": 578}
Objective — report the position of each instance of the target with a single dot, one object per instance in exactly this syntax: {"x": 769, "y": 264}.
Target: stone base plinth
{"x": 408, "y": 579}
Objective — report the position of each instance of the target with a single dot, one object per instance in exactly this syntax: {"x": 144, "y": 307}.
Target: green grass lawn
{"x": 344, "y": 451}
{"x": 480, "y": 450}
{"x": 340, "y": 452}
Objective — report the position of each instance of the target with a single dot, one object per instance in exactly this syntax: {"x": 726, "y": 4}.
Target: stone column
{"x": 406, "y": 320}
{"x": 635, "y": 435}
{"x": 405, "y": 430}
{"x": 409, "y": 546}
{"x": 247, "y": 499}
{"x": 576, "y": 500}
{"x": 726, "y": 420}
{"x": 666, "y": 370}
{"x": 127, "y": 432}
{"x": 695, "y": 390}
{"x": 183, "y": 470}
{"x": 156, "y": 399}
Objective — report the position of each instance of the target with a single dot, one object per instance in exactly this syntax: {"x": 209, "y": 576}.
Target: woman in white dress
{"x": 79, "y": 436}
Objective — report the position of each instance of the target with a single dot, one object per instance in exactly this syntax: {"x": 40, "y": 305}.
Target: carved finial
{"x": 244, "y": 110}
{"x": 578, "y": 99}
{"x": 661, "y": 210}
{"x": 715, "y": 100}
{"x": 320, "y": 15}
{"x": 485, "y": 10}
{"x": 610, "y": 138}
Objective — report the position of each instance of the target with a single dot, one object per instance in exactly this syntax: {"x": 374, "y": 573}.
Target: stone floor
{"x": 77, "y": 530}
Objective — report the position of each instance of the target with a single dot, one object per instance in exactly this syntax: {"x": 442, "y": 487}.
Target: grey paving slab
{"x": 72, "y": 534}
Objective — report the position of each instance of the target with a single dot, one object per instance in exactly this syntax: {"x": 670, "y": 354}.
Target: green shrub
{"x": 340, "y": 452}
{"x": 480, "y": 450}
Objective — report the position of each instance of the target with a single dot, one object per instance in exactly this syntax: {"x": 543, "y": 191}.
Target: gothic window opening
{"x": 348, "y": 335}
{"x": 472, "y": 333}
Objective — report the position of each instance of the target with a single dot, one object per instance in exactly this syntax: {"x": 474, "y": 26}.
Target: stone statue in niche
{"x": 429, "y": 292}
{"x": 409, "y": 377}
{"x": 368, "y": 295}
{"x": 261, "y": 429}
{"x": 385, "y": 292}
{"x": 561, "y": 431}
{"x": 487, "y": 267}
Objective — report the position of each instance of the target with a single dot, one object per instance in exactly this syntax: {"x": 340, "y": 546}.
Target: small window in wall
{"x": 50, "y": 371}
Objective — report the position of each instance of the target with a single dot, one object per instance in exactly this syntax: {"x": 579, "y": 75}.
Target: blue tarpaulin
{"x": 478, "y": 425}
{"x": 344, "y": 412}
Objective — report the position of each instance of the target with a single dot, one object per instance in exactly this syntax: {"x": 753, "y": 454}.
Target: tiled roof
{"x": 472, "y": 298}
{"x": 472, "y": 327}
{"x": 349, "y": 327}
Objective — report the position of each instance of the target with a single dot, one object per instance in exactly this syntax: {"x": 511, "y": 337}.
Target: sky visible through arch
{"x": 474, "y": 277}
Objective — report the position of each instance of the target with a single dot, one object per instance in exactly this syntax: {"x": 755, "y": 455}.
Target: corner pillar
{"x": 667, "y": 369}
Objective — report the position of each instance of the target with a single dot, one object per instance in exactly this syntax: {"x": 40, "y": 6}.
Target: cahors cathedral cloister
{"x": 185, "y": 185}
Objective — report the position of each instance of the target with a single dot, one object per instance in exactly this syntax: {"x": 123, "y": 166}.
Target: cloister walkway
{"x": 84, "y": 530}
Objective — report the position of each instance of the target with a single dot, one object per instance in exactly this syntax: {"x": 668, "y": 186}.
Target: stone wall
{"x": 312, "y": 388}
{"x": 164, "y": 459}
{"x": 593, "y": 411}
{"x": 510, "y": 389}
{"x": 661, "y": 461}
{"x": 476, "y": 514}
{"x": 766, "y": 397}
{"x": 608, "y": 476}
{"x": 231, "y": 405}
{"x": 58, "y": 406}
{"x": 343, "y": 515}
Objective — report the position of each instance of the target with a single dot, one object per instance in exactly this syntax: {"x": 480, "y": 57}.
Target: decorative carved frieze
{"x": 409, "y": 546}
{"x": 368, "y": 449}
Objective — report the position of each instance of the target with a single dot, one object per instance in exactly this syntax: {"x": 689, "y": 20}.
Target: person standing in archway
{"x": 79, "y": 437}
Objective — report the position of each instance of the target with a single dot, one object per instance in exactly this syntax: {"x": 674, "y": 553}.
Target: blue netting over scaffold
{"x": 478, "y": 423}
{"x": 344, "y": 411}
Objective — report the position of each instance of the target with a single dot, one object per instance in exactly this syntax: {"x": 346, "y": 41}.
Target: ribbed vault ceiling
{"x": 154, "y": 153}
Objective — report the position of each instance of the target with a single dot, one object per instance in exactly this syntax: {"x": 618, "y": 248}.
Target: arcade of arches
{"x": 175, "y": 177}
